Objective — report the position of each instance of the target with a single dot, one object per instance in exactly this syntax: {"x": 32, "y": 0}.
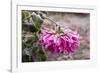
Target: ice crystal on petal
{"x": 60, "y": 43}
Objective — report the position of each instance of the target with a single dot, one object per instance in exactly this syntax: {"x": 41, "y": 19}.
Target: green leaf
{"x": 39, "y": 53}
{"x": 34, "y": 38}
{"x": 25, "y": 14}
{"x": 37, "y": 20}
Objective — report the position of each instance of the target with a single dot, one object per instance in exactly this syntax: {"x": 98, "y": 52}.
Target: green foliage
{"x": 25, "y": 16}
{"x": 34, "y": 18}
{"x": 31, "y": 22}
{"x": 39, "y": 53}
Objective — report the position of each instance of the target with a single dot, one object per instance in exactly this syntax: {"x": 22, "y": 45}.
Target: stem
{"x": 56, "y": 28}
{"x": 44, "y": 52}
{"x": 52, "y": 21}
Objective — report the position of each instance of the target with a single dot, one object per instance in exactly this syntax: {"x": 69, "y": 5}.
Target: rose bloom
{"x": 59, "y": 43}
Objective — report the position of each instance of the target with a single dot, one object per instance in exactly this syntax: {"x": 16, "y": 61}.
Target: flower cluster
{"x": 60, "y": 43}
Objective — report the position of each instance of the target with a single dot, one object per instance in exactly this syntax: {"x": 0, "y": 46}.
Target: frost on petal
{"x": 65, "y": 43}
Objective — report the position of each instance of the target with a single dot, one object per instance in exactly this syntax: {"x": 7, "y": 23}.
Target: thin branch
{"x": 52, "y": 21}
